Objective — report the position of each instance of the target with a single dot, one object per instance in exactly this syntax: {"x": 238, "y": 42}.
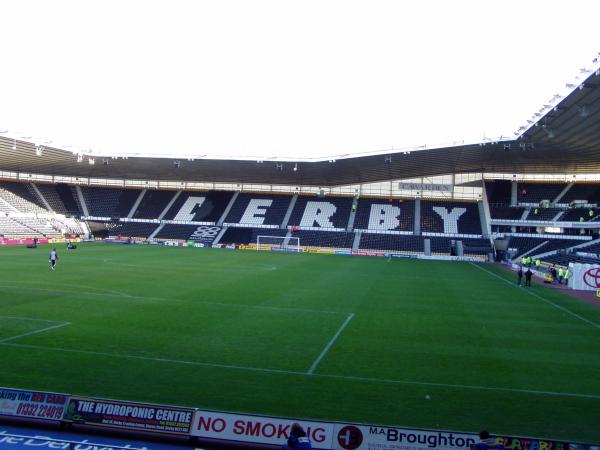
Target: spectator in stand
{"x": 591, "y": 213}
{"x": 528, "y": 277}
{"x": 519, "y": 275}
{"x": 298, "y": 439}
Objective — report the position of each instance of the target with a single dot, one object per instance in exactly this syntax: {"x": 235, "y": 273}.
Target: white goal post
{"x": 289, "y": 244}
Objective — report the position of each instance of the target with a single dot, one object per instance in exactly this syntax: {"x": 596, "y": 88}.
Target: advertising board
{"x": 129, "y": 416}
{"x": 258, "y": 429}
{"x": 32, "y": 404}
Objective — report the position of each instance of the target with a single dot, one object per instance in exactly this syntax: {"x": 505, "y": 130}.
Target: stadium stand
{"x": 477, "y": 247}
{"x": 536, "y": 192}
{"x": 593, "y": 248}
{"x": 322, "y": 212}
{"x": 122, "y": 229}
{"x": 506, "y": 212}
{"x": 235, "y": 235}
{"x": 498, "y": 192}
{"x": 397, "y": 242}
{"x": 153, "y": 204}
{"x": 442, "y": 246}
{"x": 563, "y": 259}
{"x": 209, "y": 209}
{"x": 20, "y": 198}
{"x": 11, "y": 228}
{"x": 398, "y": 215}
{"x": 336, "y": 239}
{"x": 66, "y": 196}
{"x": 259, "y": 209}
{"x": 587, "y": 192}
{"x": 555, "y": 244}
{"x": 523, "y": 244}
{"x": 462, "y": 217}
{"x": 576, "y": 214}
{"x": 543, "y": 213}
{"x": 50, "y": 194}
{"x": 109, "y": 202}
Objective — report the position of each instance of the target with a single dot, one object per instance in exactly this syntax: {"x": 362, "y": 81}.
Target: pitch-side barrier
{"x": 199, "y": 425}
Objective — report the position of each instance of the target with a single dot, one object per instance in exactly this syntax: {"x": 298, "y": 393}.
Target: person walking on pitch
{"x": 53, "y": 259}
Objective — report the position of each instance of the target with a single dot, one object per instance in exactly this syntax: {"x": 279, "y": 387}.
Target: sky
{"x": 278, "y": 78}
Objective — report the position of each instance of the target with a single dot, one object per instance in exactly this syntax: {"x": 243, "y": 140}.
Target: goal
{"x": 278, "y": 243}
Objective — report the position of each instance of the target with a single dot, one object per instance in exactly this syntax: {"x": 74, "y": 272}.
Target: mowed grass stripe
{"x": 297, "y": 373}
{"x": 435, "y": 324}
{"x": 534, "y": 294}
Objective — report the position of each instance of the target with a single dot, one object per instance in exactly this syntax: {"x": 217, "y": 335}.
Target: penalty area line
{"x": 304, "y": 374}
{"x": 545, "y": 300}
{"x": 329, "y": 345}
{"x": 43, "y": 330}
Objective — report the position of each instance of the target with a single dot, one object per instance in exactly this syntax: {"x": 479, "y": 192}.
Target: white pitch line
{"x": 533, "y": 294}
{"x": 304, "y": 374}
{"x": 460, "y": 386}
{"x": 12, "y": 338}
{"x": 329, "y": 344}
{"x": 148, "y": 358}
{"x": 33, "y": 319}
{"x": 123, "y": 295}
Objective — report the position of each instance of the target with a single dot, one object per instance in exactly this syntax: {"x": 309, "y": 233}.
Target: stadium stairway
{"x": 82, "y": 203}
{"x": 288, "y": 213}
{"x": 39, "y": 195}
{"x": 563, "y": 193}
{"x": 136, "y": 203}
{"x": 228, "y": 208}
{"x": 220, "y": 235}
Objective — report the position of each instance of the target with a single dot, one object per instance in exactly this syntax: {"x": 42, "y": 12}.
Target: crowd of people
{"x": 555, "y": 276}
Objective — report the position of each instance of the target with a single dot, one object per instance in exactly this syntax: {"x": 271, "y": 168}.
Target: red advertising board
{"x": 24, "y": 241}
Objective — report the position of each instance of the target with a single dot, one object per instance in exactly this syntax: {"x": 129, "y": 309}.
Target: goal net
{"x": 286, "y": 244}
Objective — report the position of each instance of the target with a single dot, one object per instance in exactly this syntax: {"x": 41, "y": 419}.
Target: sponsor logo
{"x": 363, "y": 253}
{"x": 350, "y": 437}
{"x": 205, "y": 233}
{"x": 592, "y": 277}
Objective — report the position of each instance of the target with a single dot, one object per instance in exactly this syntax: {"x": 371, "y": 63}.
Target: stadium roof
{"x": 563, "y": 139}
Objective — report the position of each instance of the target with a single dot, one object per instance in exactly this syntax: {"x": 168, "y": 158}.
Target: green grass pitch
{"x": 302, "y": 335}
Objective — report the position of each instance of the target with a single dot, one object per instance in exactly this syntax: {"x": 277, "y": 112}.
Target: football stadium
{"x": 376, "y": 299}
